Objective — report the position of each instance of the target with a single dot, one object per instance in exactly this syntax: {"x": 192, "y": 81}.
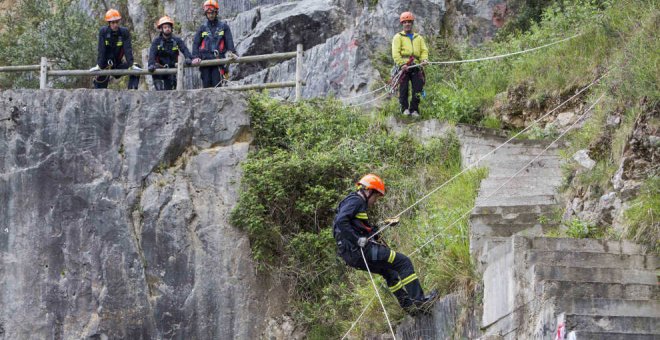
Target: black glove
{"x": 152, "y": 68}
{"x": 188, "y": 61}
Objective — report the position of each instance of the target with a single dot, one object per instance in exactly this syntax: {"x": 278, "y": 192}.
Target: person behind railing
{"x": 409, "y": 48}
{"x": 213, "y": 40}
{"x": 164, "y": 53}
{"x": 114, "y": 51}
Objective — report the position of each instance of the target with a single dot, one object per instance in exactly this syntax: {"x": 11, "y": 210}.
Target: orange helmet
{"x": 112, "y": 15}
{"x": 211, "y": 5}
{"x": 164, "y": 20}
{"x": 406, "y": 16}
{"x": 374, "y": 182}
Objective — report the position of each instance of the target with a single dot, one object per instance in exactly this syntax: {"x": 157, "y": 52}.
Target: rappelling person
{"x": 164, "y": 53}
{"x": 410, "y": 53}
{"x": 352, "y": 231}
{"x": 213, "y": 40}
{"x": 114, "y": 51}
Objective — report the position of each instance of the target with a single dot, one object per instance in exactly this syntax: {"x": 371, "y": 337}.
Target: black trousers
{"x": 164, "y": 82}
{"x": 211, "y": 76}
{"x": 416, "y": 78}
{"x": 395, "y": 268}
{"x": 101, "y": 82}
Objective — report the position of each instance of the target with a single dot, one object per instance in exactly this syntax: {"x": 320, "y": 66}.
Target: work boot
{"x": 424, "y": 305}
{"x": 415, "y": 114}
{"x": 406, "y": 112}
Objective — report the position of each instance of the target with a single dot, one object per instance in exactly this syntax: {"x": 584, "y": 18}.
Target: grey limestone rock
{"x": 114, "y": 217}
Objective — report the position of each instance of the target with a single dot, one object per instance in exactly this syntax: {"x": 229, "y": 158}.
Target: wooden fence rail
{"x": 45, "y": 71}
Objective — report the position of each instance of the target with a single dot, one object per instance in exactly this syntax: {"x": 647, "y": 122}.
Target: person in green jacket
{"x": 409, "y": 49}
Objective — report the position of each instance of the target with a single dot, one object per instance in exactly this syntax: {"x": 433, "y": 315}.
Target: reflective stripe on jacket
{"x": 403, "y": 48}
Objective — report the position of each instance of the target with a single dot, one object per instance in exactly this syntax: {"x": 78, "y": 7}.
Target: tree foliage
{"x": 59, "y": 30}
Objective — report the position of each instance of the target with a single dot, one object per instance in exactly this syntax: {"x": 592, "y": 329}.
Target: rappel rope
{"x": 377, "y": 293}
{"x": 495, "y": 191}
{"x": 359, "y": 317}
{"x": 498, "y": 56}
{"x": 372, "y": 100}
{"x": 474, "y": 164}
{"x": 391, "y": 86}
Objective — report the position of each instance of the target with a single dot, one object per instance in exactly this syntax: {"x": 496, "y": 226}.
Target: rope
{"x": 394, "y": 82}
{"x": 363, "y": 94}
{"x": 370, "y": 101}
{"x": 488, "y": 154}
{"x": 377, "y": 294}
{"x": 359, "y": 317}
{"x": 497, "y": 56}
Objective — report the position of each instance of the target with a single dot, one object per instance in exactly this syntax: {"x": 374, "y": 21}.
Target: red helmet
{"x": 164, "y": 20}
{"x": 406, "y": 16}
{"x": 211, "y": 6}
{"x": 112, "y": 15}
{"x": 374, "y": 182}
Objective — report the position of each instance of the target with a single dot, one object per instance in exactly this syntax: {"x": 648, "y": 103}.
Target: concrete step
{"x": 474, "y": 139}
{"x": 523, "y": 181}
{"x": 610, "y": 307}
{"x": 512, "y": 189}
{"x": 582, "y": 335}
{"x": 612, "y": 324}
{"x": 513, "y": 209}
{"x": 489, "y": 219}
{"x": 524, "y": 171}
{"x": 591, "y": 259}
{"x": 530, "y": 201}
{"x": 630, "y": 291}
{"x": 502, "y": 156}
{"x": 507, "y": 150}
{"x": 586, "y": 245}
{"x": 580, "y": 274}
{"x": 505, "y": 229}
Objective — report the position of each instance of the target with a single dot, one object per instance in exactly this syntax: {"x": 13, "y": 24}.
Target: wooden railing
{"x": 45, "y": 71}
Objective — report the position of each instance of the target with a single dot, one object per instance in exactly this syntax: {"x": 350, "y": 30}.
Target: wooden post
{"x": 43, "y": 74}
{"x": 179, "y": 72}
{"x": 299, "y": 70}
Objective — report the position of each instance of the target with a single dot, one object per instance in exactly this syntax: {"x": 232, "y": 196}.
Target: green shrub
{"x": 61, "y": 32}
{"x": 642, "y": 217}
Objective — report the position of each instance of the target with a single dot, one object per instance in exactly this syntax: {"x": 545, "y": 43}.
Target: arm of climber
{"x": 396, "y": 51}
{"x": 425, "y": 50}
{"x": 345, "y": 217}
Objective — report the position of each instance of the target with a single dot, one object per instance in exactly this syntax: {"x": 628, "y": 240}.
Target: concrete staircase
{"x": 550, "y": 288}
{"x": 509, "y": 206}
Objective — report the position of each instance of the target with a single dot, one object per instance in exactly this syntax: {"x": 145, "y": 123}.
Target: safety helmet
{"x": 211, "y": 6}
{"x": 406, "y": 16}
{"x": 374, "y": 182}
{"x": 164, "y": 20}
{"x": 112, "y": 15}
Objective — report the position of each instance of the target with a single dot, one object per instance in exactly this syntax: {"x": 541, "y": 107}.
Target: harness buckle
{"x": 216, "y": 53}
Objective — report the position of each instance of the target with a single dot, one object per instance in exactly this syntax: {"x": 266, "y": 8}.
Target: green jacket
{"x": 403, "y": 48}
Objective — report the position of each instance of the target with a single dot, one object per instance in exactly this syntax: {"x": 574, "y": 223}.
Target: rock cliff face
{"x": 113, "y": 217}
